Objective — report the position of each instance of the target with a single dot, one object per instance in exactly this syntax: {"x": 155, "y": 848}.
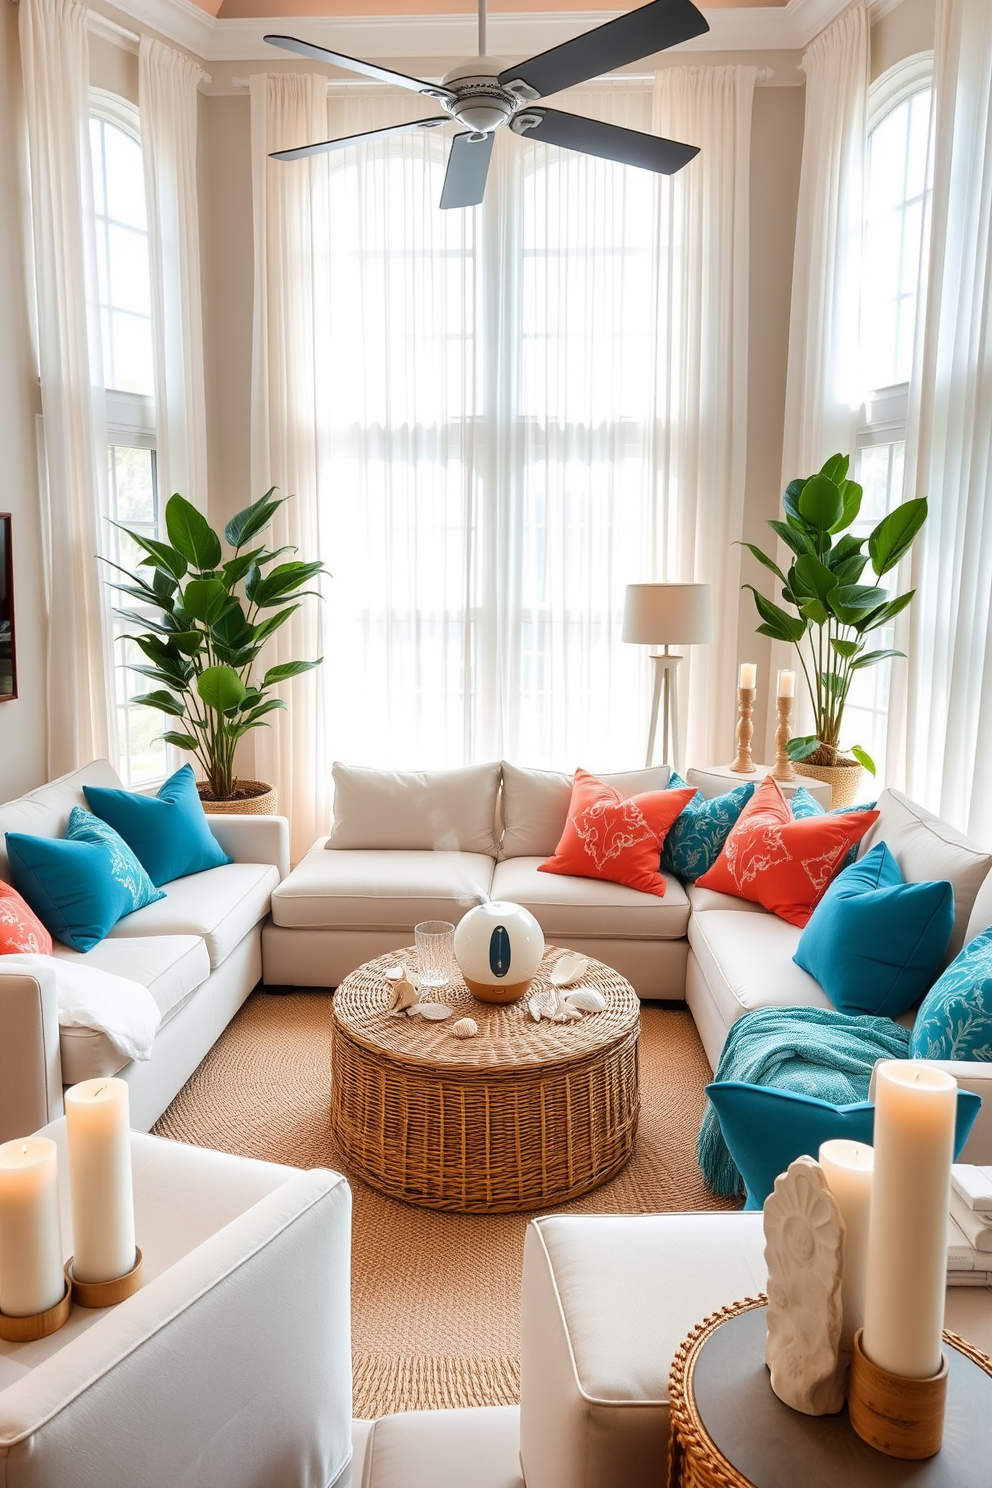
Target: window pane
{"x": 122, "y": 258}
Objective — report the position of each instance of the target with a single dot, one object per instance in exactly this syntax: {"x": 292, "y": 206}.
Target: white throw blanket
{"x": 89, "y": 998}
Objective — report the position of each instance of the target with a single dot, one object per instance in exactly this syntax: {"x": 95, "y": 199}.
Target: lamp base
{"x": 901, "y": 1417}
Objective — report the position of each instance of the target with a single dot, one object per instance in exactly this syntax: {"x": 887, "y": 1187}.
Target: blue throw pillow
{"x": 694, "y": 841}
{"x": 955, "y": 1020}
{"x": 875, "y": 943}
{"x": 767, "y": 1129}
{"x": 168, "y": 833}
{"x": 803, "y": 804}
{"x": 81, "y": 885}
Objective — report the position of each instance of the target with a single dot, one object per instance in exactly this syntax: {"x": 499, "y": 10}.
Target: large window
{"x": 125, "y": 315}
{"x": 897, "y": 201}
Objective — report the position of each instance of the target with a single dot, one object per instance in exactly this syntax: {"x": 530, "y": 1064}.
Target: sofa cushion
{"x": 694, "y": 841}
{"x": 747, "y": 962}
{"x": 415, "y": 810}
{"x": 172, "y": 967}
{"x": 534, "y": 805}
{"x": 704, "y": 899}
{"x": 169, "y": 831}
{"x": 220, "y": 904}
{"x": 380, "y": 890}
{"x": 607, "y": 837}
{"x": 925, "y": 848}
{"x": 955, "y": 1018}
{"x": 45, "y": 812}
{"x": 21, "y": 931}
{"x": 566, "y": 907}
{"x": 477, "y": 1445}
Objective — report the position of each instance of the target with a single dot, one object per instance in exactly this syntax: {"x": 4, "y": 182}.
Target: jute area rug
{"x": 434, "y": 1296}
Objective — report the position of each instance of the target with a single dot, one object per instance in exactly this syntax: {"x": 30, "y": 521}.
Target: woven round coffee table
{"x": 521, "y": 1116}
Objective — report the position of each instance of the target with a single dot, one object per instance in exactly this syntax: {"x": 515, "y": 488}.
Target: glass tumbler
{"x": 434, "y": 952}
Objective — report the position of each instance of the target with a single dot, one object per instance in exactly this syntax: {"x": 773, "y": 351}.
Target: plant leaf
{"x": 160, "y": 553}
{"x": 815, "y": 610}
{"x": 204, "y": 599}
{"x": 799, "y": 541}
{"x": 836, "y": 468}
{"x": 272, "y": 623}
{"x": 248, "y": 523}
{"x": 782, "y": 626}
{"x": 220, "y": 687}
{"x": 845, "y": 648}
{"x": 802, "y": 748}
{"x": 833, "y": 683}
{"x": 287, "y": 669}
{"x": 283, "y": 581}
{"x": 848, "y": 570}
{"x": 864, "y": 758}
{"x": 813, "y": 578}
{"x": 852, "y": 602}
{"x": 764, "y": 559}
{"x": 872, "y": 658}
{"x": 894, "y": 535}
{"x": 181, "y": 741}
{"x": 885, "y": 613}
{"x": 820, "y": 503}
{"x": 851, "y": 494}
{"x": 191, "y": 533}
{"x": 165, "y": 702}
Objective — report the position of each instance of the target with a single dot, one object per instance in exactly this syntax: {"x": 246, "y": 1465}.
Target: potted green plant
{"x": 203, "y": 622}
{"x": 835, "y": 612}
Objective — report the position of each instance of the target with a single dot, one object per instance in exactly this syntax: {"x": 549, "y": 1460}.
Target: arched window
{"x": 125, "y": 316}
{"x": 896, "y": 222}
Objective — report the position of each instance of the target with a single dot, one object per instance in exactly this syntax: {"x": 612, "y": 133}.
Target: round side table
{"x": 519, "y": 1117}
{"x": 730, "y": 1430}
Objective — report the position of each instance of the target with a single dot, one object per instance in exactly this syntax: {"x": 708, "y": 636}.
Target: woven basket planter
{"x": 843, "y": 780}
{"x": 257, "y": 799}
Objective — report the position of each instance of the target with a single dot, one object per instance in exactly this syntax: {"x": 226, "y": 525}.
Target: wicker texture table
{"x": 729, "y": 1429}
{"x": 522, "y": 1116}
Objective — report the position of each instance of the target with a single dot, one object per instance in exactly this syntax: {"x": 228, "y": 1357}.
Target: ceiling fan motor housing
{"x": 481, "y": 103}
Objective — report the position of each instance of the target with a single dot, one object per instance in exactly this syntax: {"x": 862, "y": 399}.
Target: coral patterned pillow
{"x": 618, "y": 839}
{"x": 21, "y": 931}
{"x": 781, "y": 863}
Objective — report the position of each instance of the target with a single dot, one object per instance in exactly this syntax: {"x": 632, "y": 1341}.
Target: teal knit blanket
{"x": 813, "y": 1051}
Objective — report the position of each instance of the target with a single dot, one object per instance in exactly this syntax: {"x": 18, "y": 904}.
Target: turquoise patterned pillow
{"x": 694, "y": 841}
{"x": 955, "y": 1017}
{"x": 137, "y": 888}
{"x": 803, "y": 804}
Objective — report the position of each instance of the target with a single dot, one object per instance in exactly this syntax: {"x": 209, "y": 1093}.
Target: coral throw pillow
{"x": 778, "y": 862}
{"x": 607, "y": 836}
{"x": 21, "y": 931}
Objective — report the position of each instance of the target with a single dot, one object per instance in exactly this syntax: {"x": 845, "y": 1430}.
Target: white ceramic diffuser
{"x": 498, "y": 947}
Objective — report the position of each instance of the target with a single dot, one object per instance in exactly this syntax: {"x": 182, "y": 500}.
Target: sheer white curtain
{"x": 943, "y": 744}
{"x": 521, "y": 409}
{"x": 167, "y": 84}
{"x": 289, "y": 109}
{"x": 55, "y": 63}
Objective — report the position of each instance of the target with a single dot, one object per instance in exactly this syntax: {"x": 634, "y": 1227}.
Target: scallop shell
{"x": 434, "y": 1012}
{"x": 534, "y": 1004}
{"x": 567, "y": 969}
{"x": 586, "y": 999}
{"x": 405, "y": 996}
{"x": 465, "y": 1028}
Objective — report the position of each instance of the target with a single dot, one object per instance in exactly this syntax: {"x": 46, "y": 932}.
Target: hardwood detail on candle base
{"x": 783, "y": 765}
{"x": 744, "y": 764}
{"x": 38, "y": 1324}
{"x": 901, "y": 1417}
{"x": 105, "y": 1293}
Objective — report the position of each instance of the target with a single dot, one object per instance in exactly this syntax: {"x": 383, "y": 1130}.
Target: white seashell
{"x": 465, "y": 1028}
{"x": 394, "y": 973}
{"x": 405, "y": 996}
{"x": 534, "y": 1004}
{"x": 586, "y": 999}
{"x": 567, "y": 969}
{"x": 434, "y": 1012}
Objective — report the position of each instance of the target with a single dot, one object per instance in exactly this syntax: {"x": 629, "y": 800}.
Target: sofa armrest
{"x": 30, "y": 1061}
{"x": 973, "y": 1075}
{"x": 254, "y": 839}
{"x": 230, "y": 1369}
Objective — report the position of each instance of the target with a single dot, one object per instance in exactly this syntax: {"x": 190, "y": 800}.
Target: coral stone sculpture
{"x": 804, "y": 1239}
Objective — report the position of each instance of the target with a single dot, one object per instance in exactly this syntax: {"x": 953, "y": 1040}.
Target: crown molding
{"x": 516, "y": 34}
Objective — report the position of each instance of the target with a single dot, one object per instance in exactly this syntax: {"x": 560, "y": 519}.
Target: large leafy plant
{"x": 836, "y": 613}
{"x": 203, "y": 623}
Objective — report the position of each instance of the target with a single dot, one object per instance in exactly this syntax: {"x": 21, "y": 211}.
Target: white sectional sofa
{"x": 198, "y": 951}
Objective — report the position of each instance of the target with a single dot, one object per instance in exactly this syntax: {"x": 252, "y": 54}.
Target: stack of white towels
{"x": 969, "y": 1238}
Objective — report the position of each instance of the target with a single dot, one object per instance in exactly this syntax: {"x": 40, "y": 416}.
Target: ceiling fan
{"x": 483, "y": 95}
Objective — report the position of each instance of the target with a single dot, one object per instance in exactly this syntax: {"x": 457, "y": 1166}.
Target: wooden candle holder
{"x": 38, "y": 1324}
{"x": 783, "y": 765}
{"x": 105, "y": 1293}
{"x": 901, "y": 1417}
{"x": 744, "y": 764}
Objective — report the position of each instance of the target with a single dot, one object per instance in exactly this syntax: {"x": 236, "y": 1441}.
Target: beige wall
{"x": 904, "y": 31}
{"x": 22, "y": 722}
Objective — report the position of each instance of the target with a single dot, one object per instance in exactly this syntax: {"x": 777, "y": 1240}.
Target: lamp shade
{"x": 667, "y": 614}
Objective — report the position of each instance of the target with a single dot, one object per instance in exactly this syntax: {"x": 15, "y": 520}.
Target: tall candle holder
{"x": 783, "y": 765}
{"x": 744, "y": 764}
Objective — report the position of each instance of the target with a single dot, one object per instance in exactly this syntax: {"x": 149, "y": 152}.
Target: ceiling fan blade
{"x": 353, "y": 64}
{"x": 468, "y": 166}
{"x": 640, "y": 33}
{"x": 608, "y": 141}
{"x": 302, "y": 152}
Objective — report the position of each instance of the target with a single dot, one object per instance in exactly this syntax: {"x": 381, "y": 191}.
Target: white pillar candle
{"x": 847, "y": 1167}
{"x": 748, "y": 676}
{"x": 786, "y": 684}
{"x": 98, "y": 1137}
{"x": 915, "y": 1109}
{"x": 31, "y": 1276}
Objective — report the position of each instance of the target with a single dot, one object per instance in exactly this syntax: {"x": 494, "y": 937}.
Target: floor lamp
{"x": 666, "y": 615}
